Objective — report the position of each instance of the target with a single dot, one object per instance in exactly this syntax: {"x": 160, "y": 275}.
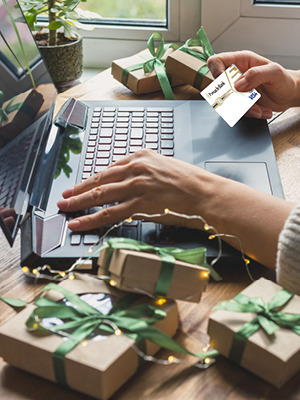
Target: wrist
{"x": 295, "y": 95}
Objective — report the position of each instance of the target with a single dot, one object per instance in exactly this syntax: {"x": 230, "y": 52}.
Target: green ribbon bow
{"x": 156, "y": 63}
{"x": 200, "y": 41}
{"x": 80, "y": 320}
{"x": 168, "y": 256}
{"x": 8, "y": 109}
{"x": 268, "y": 318}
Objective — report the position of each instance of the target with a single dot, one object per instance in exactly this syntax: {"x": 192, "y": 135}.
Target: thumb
{"x": 263, "y": 74}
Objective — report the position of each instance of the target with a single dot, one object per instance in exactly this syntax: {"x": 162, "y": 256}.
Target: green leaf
{"x": 55, "y": 25}
{"x": 14, "y": 302}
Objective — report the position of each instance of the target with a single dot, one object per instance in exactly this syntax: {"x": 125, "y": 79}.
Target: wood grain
{"x": 224, "y": 380}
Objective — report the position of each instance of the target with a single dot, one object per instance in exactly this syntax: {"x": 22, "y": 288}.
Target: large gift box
{"x": 260, "y": 330}
{"x": 145, "y": 71}
{"x": 164, "y": 272}
{"x": 188, "y": 63}
{"x": 101, "y": 364}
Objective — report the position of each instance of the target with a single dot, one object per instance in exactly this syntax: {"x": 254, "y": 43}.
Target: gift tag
{"x": 230, "y": 104}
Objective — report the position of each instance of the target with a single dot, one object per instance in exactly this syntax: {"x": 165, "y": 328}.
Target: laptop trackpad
{"x": 254, "y": 174}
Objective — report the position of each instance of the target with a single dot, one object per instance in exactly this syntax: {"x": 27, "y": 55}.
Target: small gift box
{"x": 188, "y": 63}
{"x": 164, "y": 272}
{"x": 145, "y": 72}
{"x": 260, "y": 330}
{"x": 89, "y": 343}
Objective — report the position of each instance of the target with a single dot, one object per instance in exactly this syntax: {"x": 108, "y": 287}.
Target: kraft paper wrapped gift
{"x": 143, "y": 272}
{"x": 273, "y": 351}
{"x": 102, "y": 366}
{"x": 188, "y": 63}
{"x": 130, "y": 71}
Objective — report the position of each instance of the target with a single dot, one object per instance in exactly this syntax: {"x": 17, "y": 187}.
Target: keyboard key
{"x": 85, "y": 176}
{"x": 151, "y": 138}
{"x": 103, "y": 154}
{"x": 121, "y": 138}
{"x": 152, "y": 114}
{"x": 93, "y": 131}
{"x": 136, "y": 133}
{"x": 107, "y": 119}
{"x": 102, "y": 161}
{"x": 109, "y": 114}
{"x": 105, "y": 140}
{"x": 137, "y": 114}
{"x": 133, "y": 149}
{"x": 152, "y": 125}
{"x": 104, "y": 147}
{"x": 94, "y": 125}
{"x": 90, "y": 149}
{"x": 152, "y": 130}
{"x": 167, "y": 144}
{"x": 122, "y": 124}
{"x": 109, "y": 109}
{"x": 167, "y": 136}
{"x": 159, "y": 109}
{"x": 136, "y": 142}
{"x": 120, "y": 151}
{"x": 90, "y": 239}
{"x": 107, "y": 125}
{"x": 167, "y": 114}
{"x": 123, "y": 131}
{"x": 167, "y": 120}
{"x": 117, "y": 157}
{"x": 132, "y": 109}
{"x": 120, "y": 144}
{"x": 88, "y": 162}
{"x": 167, "y": 152}
{"x": 149, "y": 120}
{"x": 137, "y": 125}
{"x": 130, "y": 232}
{"x": 75, "y": 239}
{"x": 91, "y": 143}
{"x": 106, "y": 132}
{"x": 93, "y": 138}
{"x": 148, "y": 232}
{"x": 166, "y": 125}
{"x": 122, "y": 119}
{"x": 97, "y": 109}
{"x": 99, "y": 168}
{"x": 137, "y": 119}
{"x": 87, "y": 168}
{"x": 123, "y": 114}
{"x": 153, "y": 146}
{"x": 89, "y": 156}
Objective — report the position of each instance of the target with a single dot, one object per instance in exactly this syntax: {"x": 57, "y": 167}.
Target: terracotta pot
{"x": 64, "y": 61}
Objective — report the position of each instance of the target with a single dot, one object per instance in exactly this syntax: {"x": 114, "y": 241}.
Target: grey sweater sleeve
{"x": 288, "y": 254}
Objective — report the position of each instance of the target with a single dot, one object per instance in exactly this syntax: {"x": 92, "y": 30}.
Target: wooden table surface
{"x": 224, "y": 379}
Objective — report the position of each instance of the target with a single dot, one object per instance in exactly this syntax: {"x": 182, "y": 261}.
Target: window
{"x": 270, "y": 29}
{"x": 122, "y": 33}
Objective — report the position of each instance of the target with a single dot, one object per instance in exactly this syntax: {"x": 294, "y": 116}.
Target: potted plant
{"x": 57, "y": 38}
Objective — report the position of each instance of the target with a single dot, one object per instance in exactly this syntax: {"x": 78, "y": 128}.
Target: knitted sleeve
{"x": 288, "y": 254}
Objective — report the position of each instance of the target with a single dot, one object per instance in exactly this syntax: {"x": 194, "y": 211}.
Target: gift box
{"x": 130, "y": 71}
{"x": 259, "y": 329}
{"x": 98, "y": 366}
{"x": 188, "y": 63}
{"x": 138, "y": 267}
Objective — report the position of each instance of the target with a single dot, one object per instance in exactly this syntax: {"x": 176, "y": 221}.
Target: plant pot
{"x": 64, "y": 61}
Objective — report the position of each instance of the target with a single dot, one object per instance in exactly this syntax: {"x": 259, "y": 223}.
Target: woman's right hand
{"x": 279, "y": 87}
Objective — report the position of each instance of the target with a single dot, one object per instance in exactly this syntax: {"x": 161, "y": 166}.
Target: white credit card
{"x": 230, "y": 104}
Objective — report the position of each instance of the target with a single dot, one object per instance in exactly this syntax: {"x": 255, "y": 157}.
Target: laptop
{"x": 40, "y": 156}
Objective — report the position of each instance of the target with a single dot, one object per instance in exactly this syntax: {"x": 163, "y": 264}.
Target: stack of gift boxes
{"x": 166, "y": 66}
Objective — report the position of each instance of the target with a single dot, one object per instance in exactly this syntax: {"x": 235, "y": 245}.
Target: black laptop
{"x": 40, "y": 158}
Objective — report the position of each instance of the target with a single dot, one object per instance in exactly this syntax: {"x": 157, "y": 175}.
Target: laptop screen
{"x": 27, "y": 96}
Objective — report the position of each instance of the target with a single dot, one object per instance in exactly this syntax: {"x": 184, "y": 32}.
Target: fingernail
{"x": 267, "y": 114}
{"x": 241, "y": 84}
{"x": 74, "y": 224}
{"x": 68, "y": 193}
{"x": 63, "y": 204}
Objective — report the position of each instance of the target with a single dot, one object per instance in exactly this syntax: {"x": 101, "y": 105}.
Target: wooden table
{"x": 223, "y": 380}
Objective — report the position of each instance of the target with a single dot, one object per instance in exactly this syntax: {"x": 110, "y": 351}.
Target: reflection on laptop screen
{"x": 27, "y": 96}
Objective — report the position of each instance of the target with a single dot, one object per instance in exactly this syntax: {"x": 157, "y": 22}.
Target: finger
{"x": 104, "y": 194}
{"x": 109, "y": 175}
{"x": 263, "y": 74}
{"x": 259, "y": 112}
{"x": 107, "y": 216}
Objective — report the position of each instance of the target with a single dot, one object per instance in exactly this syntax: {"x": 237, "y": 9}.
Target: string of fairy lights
{"x": 48, "y": 273}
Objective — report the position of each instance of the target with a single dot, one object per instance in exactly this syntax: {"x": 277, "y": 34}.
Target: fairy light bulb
{"x": 211, "y": 237}
{"x": 205, "y": 274}
{"x": 90, "y": 250}
{"x": 172, "y": 359}
{"x": 206, "y": 227}
{"x": 129, "y": 220}
{"x": 160, "y": 302}
{"x": 62, "y": 274}
{"x": 25, "y": 270}
{"x": 71, "y": 277}
{"x": 35, "y": 325}
{"x": 247, "y": 262}
{"x": 166, "y": 211}
{"x": 84, "y": 343}
{"x": 34, "y": 271}
{"x": 112, "y": 283}
{"x": 118, "y": 332}
{"x": 207, "y": 360}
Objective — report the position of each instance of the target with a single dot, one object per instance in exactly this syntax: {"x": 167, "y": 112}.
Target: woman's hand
{"x": 144, "y": 182}
{"x": 279, "y": 87}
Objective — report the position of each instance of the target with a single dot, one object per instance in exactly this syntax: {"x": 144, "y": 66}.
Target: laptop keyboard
{"x": 115, "y": 133}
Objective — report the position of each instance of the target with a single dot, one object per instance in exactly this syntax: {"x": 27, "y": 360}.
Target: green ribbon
{"x": 268, "y": 318}
{"x": 155, "y": 63}
{"x": 80, "y": 320}
{"x": 8, "y": 109}
{"x": 200, "y": 41}
{"x": 168, "y": 256}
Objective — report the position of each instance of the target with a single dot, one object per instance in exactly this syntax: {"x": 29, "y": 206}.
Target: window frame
{"x": 268, "y": 30}
{"x": 118, "y": 41}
